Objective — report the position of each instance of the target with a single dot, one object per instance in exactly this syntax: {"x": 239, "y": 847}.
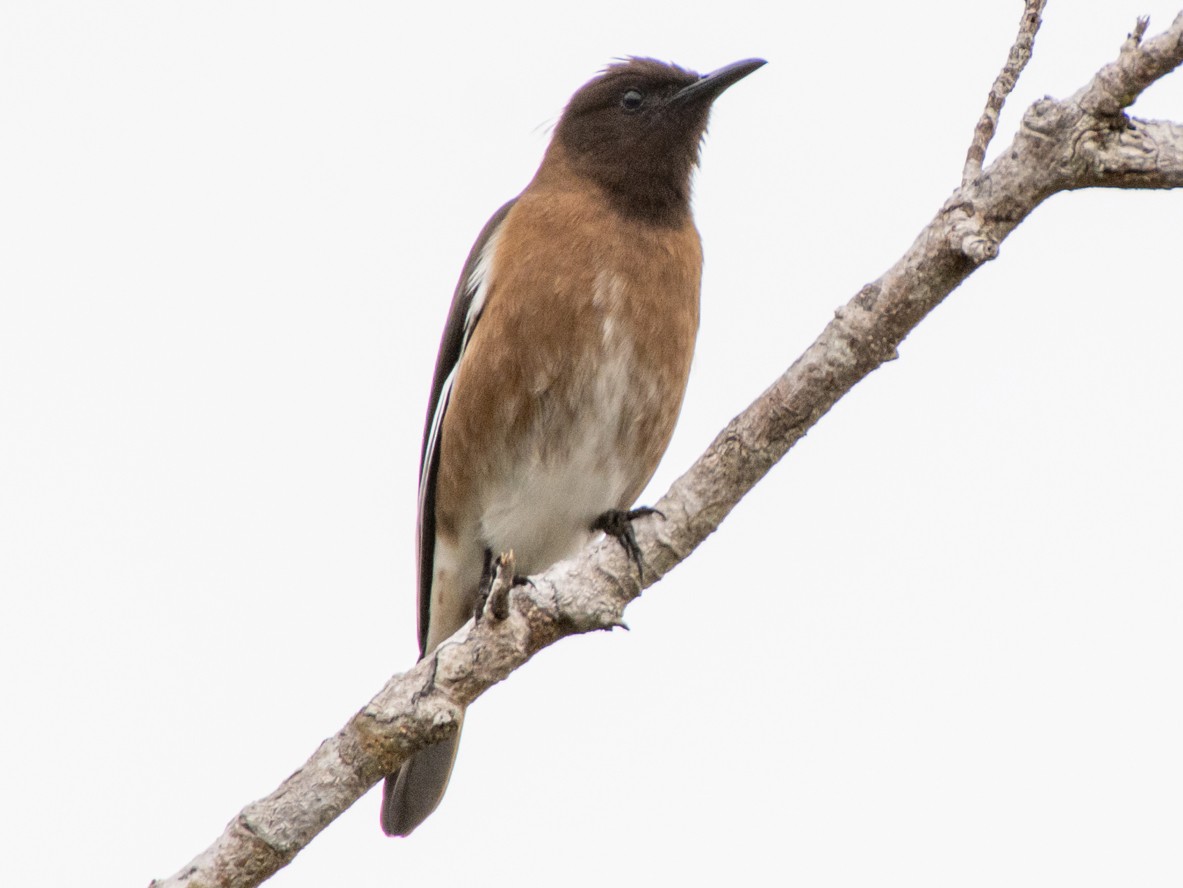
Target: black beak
{"x": 709, "y": 86}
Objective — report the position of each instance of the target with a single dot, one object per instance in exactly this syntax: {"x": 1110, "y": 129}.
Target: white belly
{"x": 572, "y": 471}
{"x": 544, "y": 510}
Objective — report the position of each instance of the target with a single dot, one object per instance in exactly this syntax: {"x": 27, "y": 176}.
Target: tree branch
{"x": 1083, "y": 141}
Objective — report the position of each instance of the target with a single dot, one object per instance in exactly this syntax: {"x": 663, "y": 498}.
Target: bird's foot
{"x": 618, "y": 523}
{"x": 497, "y": 579}
{"x": 483, "y": 588}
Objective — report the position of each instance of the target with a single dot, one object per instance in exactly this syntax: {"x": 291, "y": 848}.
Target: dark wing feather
{"x": 456, "y": 332}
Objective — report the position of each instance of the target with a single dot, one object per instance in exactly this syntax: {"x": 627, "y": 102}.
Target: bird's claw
{"x": 618, "y": 523}
{"x": 497, "y": 579}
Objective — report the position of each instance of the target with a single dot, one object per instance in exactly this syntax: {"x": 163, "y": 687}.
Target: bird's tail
{"x": 409, "y": 796}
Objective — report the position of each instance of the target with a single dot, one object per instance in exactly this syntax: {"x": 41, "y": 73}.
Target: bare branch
{"x": 1061, "y": 145}
{"x": 1004, "y": 83}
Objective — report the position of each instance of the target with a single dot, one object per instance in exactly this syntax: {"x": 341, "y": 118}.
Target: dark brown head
{"x": 636, "y": 129}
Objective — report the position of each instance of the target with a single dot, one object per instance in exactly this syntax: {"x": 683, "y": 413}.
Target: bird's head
{"x": 636, "y": 130}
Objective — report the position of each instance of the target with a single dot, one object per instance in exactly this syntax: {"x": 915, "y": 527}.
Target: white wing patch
{"x": 478, "y": 285}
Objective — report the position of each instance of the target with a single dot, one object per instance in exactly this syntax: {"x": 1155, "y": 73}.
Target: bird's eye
{"x": 632, "y": 100}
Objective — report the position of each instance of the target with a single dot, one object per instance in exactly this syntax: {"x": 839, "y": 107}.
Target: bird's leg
{"x": 497, "y": 579}
{"x": 618, "y": 523}
{"x": 484, "y": 587}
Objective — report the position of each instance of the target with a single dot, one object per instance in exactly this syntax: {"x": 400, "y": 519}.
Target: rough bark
{"x": 1084, "y": 141}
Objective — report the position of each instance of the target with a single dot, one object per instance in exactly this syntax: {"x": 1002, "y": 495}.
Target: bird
{"x": 564, "y": 359}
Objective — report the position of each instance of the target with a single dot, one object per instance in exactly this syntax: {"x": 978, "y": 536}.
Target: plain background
{"x": 939, "y": 645}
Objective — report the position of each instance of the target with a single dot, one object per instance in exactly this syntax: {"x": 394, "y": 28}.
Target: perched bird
{"x": 564, "y": 359}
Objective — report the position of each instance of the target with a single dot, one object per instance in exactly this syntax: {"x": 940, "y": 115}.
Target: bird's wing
{"x": 467, "y": 305}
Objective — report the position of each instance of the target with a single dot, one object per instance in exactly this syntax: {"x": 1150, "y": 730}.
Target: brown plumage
{"x": 565, "y": 357}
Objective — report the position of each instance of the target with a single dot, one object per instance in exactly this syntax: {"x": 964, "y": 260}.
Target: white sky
{"x": 946, "y": 630}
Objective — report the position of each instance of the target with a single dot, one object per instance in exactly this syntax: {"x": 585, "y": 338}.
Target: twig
{"x": 1140, "y": 63}
{"x": 1016, "y": 61}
